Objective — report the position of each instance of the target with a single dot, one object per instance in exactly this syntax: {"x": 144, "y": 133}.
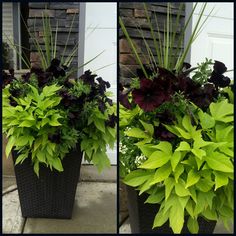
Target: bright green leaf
{"x": 218, "y": 161}
{"x": 193, "y": 178}
{"x": 137, "y": 177}
{"x": 56, "y": 163}
{"x": 148, "y": 127}
{"x": 162, "y": 173}
{"x": 157, "y": 159}
{"x": 193, "y": 225}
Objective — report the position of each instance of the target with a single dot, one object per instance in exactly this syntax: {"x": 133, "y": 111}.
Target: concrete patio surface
{"x": 94, "y": 209}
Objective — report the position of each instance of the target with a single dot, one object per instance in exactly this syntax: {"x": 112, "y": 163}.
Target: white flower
{"x": 140, "y": 159}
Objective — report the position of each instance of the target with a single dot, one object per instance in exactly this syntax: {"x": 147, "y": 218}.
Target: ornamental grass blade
{"x": 137, "y": 57}
{"x": 193, "y": 35}
{"x": 174, "y": 32}
{"x": 67, "y": 40}
{"x": 182, "y": 34}
{"x": 153, "y": 34}
{"x": 151, "y": 58}
{"x": 16, "y": 47}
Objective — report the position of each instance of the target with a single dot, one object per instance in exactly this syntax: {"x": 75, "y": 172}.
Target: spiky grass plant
{"x": 165, "y": 47}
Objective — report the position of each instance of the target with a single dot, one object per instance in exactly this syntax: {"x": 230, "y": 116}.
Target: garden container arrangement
{"x": 51, "y": 119}
{"x": 176, "y": 143}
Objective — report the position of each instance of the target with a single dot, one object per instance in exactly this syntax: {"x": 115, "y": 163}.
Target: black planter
{"x": 142, "y": 216}
{"x": 52, "y": 194}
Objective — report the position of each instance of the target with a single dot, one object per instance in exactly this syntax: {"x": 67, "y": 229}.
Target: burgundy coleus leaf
{"x": 148, "y": 96}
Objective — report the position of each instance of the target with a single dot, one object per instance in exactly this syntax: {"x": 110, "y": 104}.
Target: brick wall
{"x": 133, "y": 15}
{"x": 57, "y": 11}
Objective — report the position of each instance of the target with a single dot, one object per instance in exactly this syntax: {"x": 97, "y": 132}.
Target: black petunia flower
{"x": 103, "y": 85}
{"x": 150, "y": 95}
{"x": 88, "y": 78}
{"x": 101, "y": 106}
{"x": 123, "y": 97}
{"x": 161, "y": 133}
{"x": 112, "y": 120}
{"x": 67, "y": 99}
{"x": 55, "y": 68}
{"x": 7, "y": 78}
{"x": 15, "y": 92}
{"x": 217, "y": 76}
{"x": 55, "y": 138}
{"x": 109, "y": 101}
{"x": 26, "y": 77}
{"x": 13, "y": 102}
{"x": 140, "y": 73}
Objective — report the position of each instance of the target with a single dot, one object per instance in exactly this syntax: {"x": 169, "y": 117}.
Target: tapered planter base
{"x": 142, "y": 216}
{"x": 52, "y": 194}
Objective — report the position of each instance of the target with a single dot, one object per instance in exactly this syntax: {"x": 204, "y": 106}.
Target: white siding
{"x": 7, "y": 19}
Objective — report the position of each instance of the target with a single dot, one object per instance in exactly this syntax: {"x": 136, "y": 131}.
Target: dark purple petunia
{"x": 26, "y": 77}
{"x": 112, "y": 120}
{"x": 123, "y": 97}
{"x": 203, "y": 96}
{"x": 55, "y": 138}
{"x": 101, "y": 106}
{"x": 88, "y": 78}
{"x": 67, "y": 99}
{"x": 15, "y": 92}
{"x": 217, "y": 76}
{"x": 219, "y": 67}
{"x": 141, "y": 74}
{"x": 109, "y": 101}
{"x": 7, "y": 78}
{"x": 103, "y": 85}
{"x": 161, "y": 133}
{"x": 55, "y": 68}
{"x": 149, "y": 96}
{"x": 13, "y": 102}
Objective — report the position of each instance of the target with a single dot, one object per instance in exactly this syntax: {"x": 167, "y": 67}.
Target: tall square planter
{"x": 142, "y": 216}
{"x": 52, "y": 194}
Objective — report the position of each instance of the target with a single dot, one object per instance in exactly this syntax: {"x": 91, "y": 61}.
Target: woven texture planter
{"x": 142, "y": 216}
{"x": 52, "y": 194}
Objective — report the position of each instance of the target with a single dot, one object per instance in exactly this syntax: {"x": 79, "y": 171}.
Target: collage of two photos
{"x": 117, "y": 118}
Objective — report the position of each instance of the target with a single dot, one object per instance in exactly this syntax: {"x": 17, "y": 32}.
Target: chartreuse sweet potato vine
{"x": 192, "y": 177}
{"x": 45, "y": 115}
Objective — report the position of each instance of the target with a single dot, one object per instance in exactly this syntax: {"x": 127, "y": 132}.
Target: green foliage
{"x": 97, "y": 137}
{"x": 203, "y": 71}
{"x": 28, "y": 125}
{"x": 194, "y": 175}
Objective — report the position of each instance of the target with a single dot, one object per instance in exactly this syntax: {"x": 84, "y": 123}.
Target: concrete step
{"x": 94, "y": 212}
